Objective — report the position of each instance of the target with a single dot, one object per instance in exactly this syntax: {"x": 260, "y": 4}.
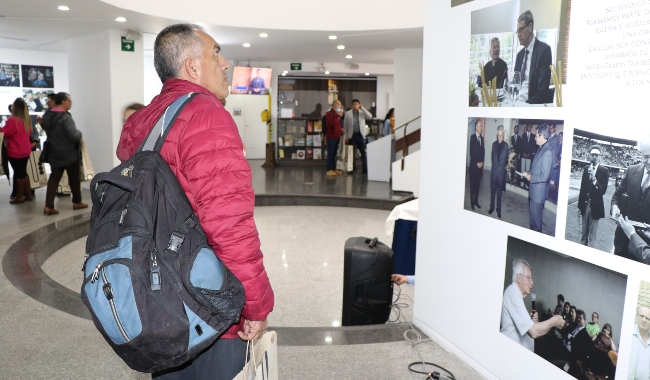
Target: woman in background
{"x": 17, "y": 133}
{"x": 607, "y": 329}
{"x": 389, "y": 122}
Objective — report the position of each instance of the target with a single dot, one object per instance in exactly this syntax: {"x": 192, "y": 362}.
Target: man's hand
{"x": 399, "y": 279}
{"x": 480, "y": 165}
{"x": 626, "y": 226}
{"x": 557, "y": 321}
{"x": 535, "y": 317}
{"x": 527, "y": 175}
{"x": 253, "y": 329}
{"x": 616, "y": 212}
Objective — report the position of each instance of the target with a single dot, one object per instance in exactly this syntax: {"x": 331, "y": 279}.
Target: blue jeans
{"x": 332, "y": 149}
{"x": 358, "y": 141}
{"x": 221, "y": 361}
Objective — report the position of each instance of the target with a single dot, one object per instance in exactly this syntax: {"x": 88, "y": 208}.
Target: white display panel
{"x": 461, "y": 260}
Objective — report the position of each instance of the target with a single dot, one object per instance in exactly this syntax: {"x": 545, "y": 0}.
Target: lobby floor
{"x": 45, "y": 335}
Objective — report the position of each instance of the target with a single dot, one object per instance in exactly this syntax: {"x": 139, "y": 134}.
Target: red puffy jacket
{"x": 205, "y": 152}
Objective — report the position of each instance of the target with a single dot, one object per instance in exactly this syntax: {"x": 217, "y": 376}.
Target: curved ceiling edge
{"x": 282, "y": 14}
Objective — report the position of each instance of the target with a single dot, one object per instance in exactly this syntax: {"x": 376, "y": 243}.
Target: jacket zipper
{"x": 108, "y": 292}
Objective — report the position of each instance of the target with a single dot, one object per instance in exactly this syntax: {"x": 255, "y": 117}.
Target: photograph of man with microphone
{"x": 559, "y": 335}
{"x": 609, "y": 206}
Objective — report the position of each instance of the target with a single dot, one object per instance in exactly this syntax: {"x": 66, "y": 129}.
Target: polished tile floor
{"x": 45, "y": 337}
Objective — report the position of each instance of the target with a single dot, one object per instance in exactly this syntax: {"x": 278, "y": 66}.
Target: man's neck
{"x": 644, "y": 336}
{"x": 494, "y": 60}
{"x": 529, "y": 42}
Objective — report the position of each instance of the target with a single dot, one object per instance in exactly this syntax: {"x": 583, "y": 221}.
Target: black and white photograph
{"x": 608, "y": 207}
{"x": 38, "y": 76}
{"x": 566, "y": 311}
{"x": 513, "y": 170}
{"x": 512, "y": 48}
{"x": 9, "y": 75}
{"x": 36, "y": 99}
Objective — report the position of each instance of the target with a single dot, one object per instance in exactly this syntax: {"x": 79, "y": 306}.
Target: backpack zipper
{"x": 108, "y": 293}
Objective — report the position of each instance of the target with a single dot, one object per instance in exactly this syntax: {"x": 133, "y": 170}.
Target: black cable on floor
{"x": 432, "y": 375}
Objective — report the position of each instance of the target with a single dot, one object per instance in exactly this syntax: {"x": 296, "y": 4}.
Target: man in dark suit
{"x": 515, "y": 147}
{"x": 539, "y": 176}
{"x": 590, "y": 200}
{"x": 497, "y": 67}
{"x": 476, "y": 157}
{"x": 533, "y": 62}
{"x": 631, "y": 199}
{"x": 500, "y": 153}
{"x": 528, "y": 149}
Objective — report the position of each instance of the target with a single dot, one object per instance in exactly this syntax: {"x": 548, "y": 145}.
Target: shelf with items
{"x": 300, "y": 138}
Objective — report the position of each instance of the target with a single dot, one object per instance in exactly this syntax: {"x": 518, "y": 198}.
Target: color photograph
{"x": 512, "y": 48}
{"x": 608, "y": 207}
{"x": 9, "y": 75}
{"x": 38, "y": 76}
{"x": 567, "y": 311}
{"x": 36, "y": 100}
{"x": 513, "y": 170}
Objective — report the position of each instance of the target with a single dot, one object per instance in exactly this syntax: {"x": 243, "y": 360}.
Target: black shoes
{"x": 491, "y": 210}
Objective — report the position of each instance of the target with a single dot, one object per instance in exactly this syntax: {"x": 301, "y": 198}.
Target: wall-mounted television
{"x": 251, "y": 80}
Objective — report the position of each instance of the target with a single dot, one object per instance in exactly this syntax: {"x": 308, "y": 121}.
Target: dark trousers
{"x": 496, "y": 188}
{"x": 19, "y": 165}
{"x": 221, "y": 361}
{"x": 73, "y": 181}
{"x": 536, "y": 211}
{"x": 474, "y": 184}
{"x": 358, "y": 141}
{"x": 332, "y": 149}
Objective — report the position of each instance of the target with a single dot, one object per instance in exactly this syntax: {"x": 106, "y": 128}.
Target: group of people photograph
{"x": 9, "y": 75}
{"x": 563, "y": 323}
{"x": 523, "y": 159}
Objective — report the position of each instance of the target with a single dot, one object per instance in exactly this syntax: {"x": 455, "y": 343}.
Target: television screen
{"x": 251, "y": 80}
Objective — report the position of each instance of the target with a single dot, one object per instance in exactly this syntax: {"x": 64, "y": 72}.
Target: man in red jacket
{"x": 333, "y": 136}
{"x": 205, "y": 153}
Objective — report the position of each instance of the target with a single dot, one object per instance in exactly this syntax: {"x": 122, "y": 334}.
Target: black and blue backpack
{"x": 156, "y": 290}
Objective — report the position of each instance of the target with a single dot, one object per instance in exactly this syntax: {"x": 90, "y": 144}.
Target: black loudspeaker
{"x": 367, "y": 288}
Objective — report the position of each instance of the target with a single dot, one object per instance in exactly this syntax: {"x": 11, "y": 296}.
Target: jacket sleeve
{"x": 9, "y": 128}
{"x": 70, "y": 129}
{"x": 366, "y": 114}
{"x": 544, "y": 168}
{"x": 220, "y": 180}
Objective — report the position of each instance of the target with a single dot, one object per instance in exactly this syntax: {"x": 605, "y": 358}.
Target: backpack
{"x": 155, "y": 288}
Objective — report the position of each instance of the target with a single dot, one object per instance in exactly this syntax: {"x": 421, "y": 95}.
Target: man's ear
{"x": 192, "y": 68}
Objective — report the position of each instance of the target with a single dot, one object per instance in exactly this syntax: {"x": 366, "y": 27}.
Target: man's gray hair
{"x": 495, "y": 39}
{"x": 527, "y": 18}
{"x": 519, "y": 266}
{"x": 173, "y": 46}
{"x": 542, "y": 129}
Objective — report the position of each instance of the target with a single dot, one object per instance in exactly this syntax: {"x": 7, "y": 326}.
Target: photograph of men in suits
{"x": 500, "y": 153}
{"x": 538, "y": 178}
{"x": 476, "y": 157}
{"x": 591, "y": 207}
{"x": 631, "y": 199}
{"x": 533, "y": 62}
{"x": 528, "y": 149}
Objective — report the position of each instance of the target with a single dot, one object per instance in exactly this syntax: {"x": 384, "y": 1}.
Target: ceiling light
{"x": 120, "y": 19}
{"x": 327, "y": 72}
{"x": 263, "y": 35}
{"x": 284, "y": 74}
{"x": 367, "y": 73}
{"x": 63, "y": 8}
{"x": 340, "y": 47}
{"x": 332, "y": 37}
{"x": 246, "y": 44}
{"x": 348, "y": 56}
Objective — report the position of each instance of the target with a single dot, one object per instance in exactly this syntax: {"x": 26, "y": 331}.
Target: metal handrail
{"x": 407, "y": 123}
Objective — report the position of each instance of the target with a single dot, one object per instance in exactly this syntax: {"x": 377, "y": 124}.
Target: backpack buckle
{"x": 175, "y": 241}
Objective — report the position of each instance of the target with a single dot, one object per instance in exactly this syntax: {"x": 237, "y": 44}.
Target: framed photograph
{"x": 38, "y": 76}
{"x": 9, "y": 75}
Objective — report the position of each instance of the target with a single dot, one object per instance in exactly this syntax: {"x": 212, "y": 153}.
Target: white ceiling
{"x": 39, "y": 25}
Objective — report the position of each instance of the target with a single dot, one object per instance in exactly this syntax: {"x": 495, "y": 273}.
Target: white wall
{"x": 103, "y": 81}
{"x": 385, "y": 94}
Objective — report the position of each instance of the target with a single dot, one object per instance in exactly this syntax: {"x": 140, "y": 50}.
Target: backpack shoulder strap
{"x": 158, "y": 133}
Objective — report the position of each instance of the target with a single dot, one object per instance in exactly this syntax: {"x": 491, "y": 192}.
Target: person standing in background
{"x": 333, "y": 136}
{"x": 17, "y": 133}
{"x": 355, "y": 130}
{"x": 591, "y": 207}
{"x": 389, "y": 122}
{"x": 476, "y": 157}
{"x": 498, "y": 171}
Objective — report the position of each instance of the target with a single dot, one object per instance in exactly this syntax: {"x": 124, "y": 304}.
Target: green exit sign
{"x": 127, "y": 45}
{"x": 296, "y": 66}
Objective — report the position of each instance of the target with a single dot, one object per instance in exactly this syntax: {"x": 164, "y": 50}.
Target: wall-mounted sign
{"x": 296, "y": 66}
{"x": 127, "y": 45}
